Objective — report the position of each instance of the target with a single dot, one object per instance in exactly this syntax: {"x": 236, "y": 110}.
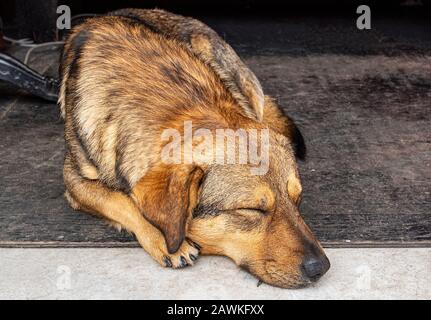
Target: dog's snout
{"x": 314, "y": 267}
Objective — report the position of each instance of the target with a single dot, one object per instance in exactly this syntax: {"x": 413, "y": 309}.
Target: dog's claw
{"x": 259, "y": 283}
{"x": 194, "y": 244}
{"x": 183, "y": 262}
{"x": 167, "y": 261}
{"x": 186, "y": 255}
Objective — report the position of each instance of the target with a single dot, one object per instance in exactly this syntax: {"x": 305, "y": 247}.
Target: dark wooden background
{"x": 36, "y": 18}
{"x": 361, "y": 98}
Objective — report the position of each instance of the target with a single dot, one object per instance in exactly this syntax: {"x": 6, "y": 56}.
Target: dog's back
{"x": 205, "y": 43}
{"x": 122, "y": 85}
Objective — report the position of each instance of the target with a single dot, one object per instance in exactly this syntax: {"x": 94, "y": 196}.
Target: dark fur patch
{"x": 205, "y": 210}
{"x": 133, "y": 17}
{"x": 76, "y": 46}
{"x": 297, "y": 139}
{"x": 298, "y": 143}
{"x": 122, "y": 183}
{"x": 174, "y": 73}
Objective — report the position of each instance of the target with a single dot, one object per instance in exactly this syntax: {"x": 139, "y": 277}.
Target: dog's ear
{"x": 166, "y": 196}
{"x": 277, "y": 120}
{"x": 297, "y": 139}
{"x": 235, "y": 75}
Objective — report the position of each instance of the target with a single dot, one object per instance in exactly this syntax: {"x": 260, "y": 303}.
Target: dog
{"x": 129, "y": 76}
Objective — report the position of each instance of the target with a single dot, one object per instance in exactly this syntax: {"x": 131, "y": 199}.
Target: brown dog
{"x": 129, "y": 77}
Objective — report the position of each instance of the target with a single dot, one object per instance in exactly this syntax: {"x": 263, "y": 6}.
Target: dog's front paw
{"x": 186, "y": 255}
{"x": 154, "y": 243}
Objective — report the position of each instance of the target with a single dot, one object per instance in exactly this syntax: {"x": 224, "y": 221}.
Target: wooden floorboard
{"x": 362, "y": 105}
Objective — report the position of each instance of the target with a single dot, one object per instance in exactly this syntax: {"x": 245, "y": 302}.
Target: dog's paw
{"x": 186, "y": 255}
{"x": 154, "y": 244}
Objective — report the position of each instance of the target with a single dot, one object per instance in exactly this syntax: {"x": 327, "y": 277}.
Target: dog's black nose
{"x": 314, "y": 267}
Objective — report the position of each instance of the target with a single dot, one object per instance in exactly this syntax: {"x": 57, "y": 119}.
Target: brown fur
{"x": 123, "y": 83}
{"x": 209, "y": 47}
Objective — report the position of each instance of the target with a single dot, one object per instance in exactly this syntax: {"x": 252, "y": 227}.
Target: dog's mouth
{"x": 273, "y": 276}
{"x": 285, "y": 282}
{"x": 272, "y": 273}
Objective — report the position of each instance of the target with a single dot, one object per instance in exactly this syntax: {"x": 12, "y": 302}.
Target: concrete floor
{"x": 131, "y": 274}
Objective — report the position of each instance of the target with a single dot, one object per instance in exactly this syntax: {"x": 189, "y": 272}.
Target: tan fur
{"x": 123, "y": 83}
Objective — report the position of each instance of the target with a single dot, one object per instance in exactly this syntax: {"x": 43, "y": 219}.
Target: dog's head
{"x": 230, "y": 210}
{"x": 255, "y": 220}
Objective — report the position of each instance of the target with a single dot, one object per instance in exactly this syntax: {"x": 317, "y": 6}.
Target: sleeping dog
{"x": 130, "y": 76}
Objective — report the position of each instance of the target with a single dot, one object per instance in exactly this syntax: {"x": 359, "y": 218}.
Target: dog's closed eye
{"x": 262, "y": 206}
{"x": 253, "y": 210}
{"x": 245, "y": 219}
{"x": 262, "y": 200}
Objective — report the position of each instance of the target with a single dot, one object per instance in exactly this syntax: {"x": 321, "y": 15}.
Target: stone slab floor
{"x": 129, "y": 273}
